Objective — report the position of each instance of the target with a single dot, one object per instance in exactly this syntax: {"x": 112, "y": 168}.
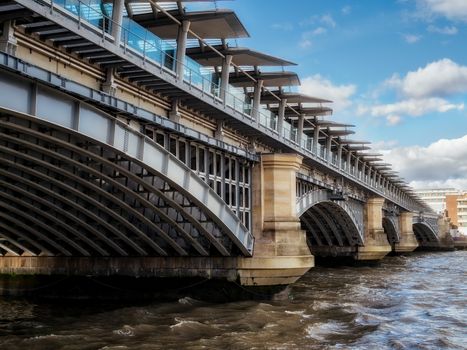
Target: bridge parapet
{"x": 161, "y": 71}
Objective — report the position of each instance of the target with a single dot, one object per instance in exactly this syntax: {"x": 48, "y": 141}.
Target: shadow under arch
{"x": 424, "y": 233}
{"x": 331, "y": 229}
{"x": 77, "y": 182}
{"x": 391, "y": 231}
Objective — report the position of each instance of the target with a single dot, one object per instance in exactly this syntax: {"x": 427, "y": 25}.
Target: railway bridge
{"x": 135, "y": 140}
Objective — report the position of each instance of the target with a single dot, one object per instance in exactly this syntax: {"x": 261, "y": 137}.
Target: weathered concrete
{"x": 281, "y": 254}
{"x": 376, "y": 245}
{"x": 408, "y": 242}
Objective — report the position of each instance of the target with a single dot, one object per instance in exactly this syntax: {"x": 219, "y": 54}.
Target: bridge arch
{"x": 424, "y": 233}
{"x": 391, "y": 228}
{"x": 329, "y": 223}
{"x": 77, "y": 182}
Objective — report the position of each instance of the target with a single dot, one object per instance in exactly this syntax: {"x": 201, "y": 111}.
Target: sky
{"x": 397, "y": 69}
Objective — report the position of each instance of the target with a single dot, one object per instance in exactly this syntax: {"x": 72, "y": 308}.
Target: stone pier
{"x": 281, "y": 254}
{"x": 407, "y": 242}
{"x": 376, "y": 245}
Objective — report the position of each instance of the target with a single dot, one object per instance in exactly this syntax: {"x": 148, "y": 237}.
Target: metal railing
{"x": 151, "y": 48}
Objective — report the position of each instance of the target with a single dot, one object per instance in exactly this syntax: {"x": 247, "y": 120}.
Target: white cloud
{"x": 305, "y": 43}
{"x": 451, "y": 9}
{"x": 442, "y": 30}
{"x": 325, "y": 20}
{"x": 346, "y": 10}
{"x": 439, "y": 78}
{"x": 441, "y": 164}
{"x": 319, "y": 86}
{"x": 328, "y": 20}
{"x": 283, "y": 26}
{"x": 410, "y": 107}
{"x": 319, "y": 31}
{"x": 412, "y": 38}
{"x": 393, "y": 119}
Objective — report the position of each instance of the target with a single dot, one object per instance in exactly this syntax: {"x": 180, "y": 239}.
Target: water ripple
{"x": 413, "y": 302}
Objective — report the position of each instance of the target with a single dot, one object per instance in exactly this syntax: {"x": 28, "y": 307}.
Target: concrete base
{"x": 270, "y": 271}
{"x": 257, "y": 271}
{"x": 376, "y": 247}
{"x": 281, "y": 256}
{"x": 408, "y": 243}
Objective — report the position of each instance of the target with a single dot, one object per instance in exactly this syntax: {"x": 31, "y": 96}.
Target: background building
{"x": 436, "y": 197}
{"x": 456, "y": 206}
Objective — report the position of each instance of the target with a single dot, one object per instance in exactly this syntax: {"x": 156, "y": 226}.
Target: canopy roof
{"x": 269, "y": 79}
{"x": 330, "y": 123}
{"x": 338, "y": 132}
{"x": 213, "y": 24}
{"x": 292, "y": 98}
{"x": 307, "y": 112}
{"x": 242, "y": 56}
{"x": 354, "y": 142}
{"x": 358, "y": 147}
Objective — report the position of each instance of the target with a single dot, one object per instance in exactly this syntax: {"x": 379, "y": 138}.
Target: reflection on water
{"x": 415, "y": 302}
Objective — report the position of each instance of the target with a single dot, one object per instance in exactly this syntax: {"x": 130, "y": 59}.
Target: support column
{"x": 225, "y": 76}
{"x": 281, "y": 116}
{"x": 357, "y": 170}
{"x": 8, "y": 43}
{"x": 219, "y": 133}
{"x": 328, "y": 148}
{"x": 376, "y": 244}
{"x": 281, "y": 254}
{"x": 349, "y": 158}
{"x": 117, "y": 20}
{"x": 315, "y": 139}
{"x": 257, "y": 99}
{"x": 339, "y": 156}
{"x": 109, "y": 86}
{"x": 301, "y": 120}
{"x": 174, "y": 113}
{"x": 408, "y": 241}
{"x": 181, "y": 48}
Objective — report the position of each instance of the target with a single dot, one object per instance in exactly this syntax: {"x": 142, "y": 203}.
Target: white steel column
{"x": 349, "y": 158}
{"x": 117, "y": 20}
{"x": 315, "y": 139}
{"x": 357, "y": 167}
{"x": 328, "y": 147}
{"x": 225, "y": 75}
{"x": 257, "y": 99}
{"x": 181, "y": 47}
{"x": 301, "y": 120}
{"x": 281, "y": 116}
{"x": 339, "y": 156}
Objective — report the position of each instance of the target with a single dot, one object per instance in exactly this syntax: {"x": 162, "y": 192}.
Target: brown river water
{"x": 413, "y": 302}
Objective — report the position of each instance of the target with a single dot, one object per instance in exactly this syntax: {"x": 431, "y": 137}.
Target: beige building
{"x": 436, "y": 197}
{"x": 456, "y": 207}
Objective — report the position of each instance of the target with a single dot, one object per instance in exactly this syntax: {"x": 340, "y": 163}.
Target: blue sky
{"x": 397, "y": 69}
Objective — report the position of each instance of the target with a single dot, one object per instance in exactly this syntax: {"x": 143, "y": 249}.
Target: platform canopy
{"x": 353, "y": 142}
{"x": 212, "y": 24}
{"x": 308, "y": 112}
{"x": 331, "y": 124}
{"x": 366, "y": 155}
{"x": 275, "y": 79}
{"x": 291, "y": 97}
{"x": 241, "y": 56}
{"x": 333, "y": 132}
{"x": 358, "y": 147}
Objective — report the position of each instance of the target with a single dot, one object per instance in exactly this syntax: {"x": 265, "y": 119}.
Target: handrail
{"x": 212, "y": 90}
